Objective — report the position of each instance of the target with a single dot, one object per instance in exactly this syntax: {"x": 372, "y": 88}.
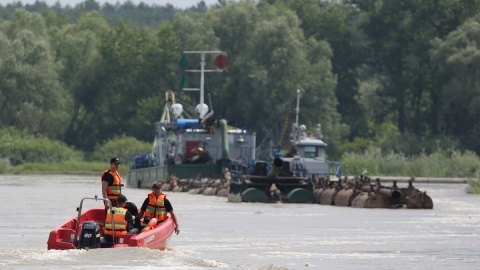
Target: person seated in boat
{"x": 123, "y": 221}
{"x": 156, "y": 205}
{"x": 133, "y": 210}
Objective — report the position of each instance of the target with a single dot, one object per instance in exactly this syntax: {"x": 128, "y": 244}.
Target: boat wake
{"x": 120, "y": 258}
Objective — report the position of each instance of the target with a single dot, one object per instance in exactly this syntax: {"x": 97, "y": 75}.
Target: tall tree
{"x": 77, "y": 47}
{"x": 272, "y": 59}
{"x": 401, "y": 34}
{"x": 135, "y": 67}
{"x": 31, "y": 96}
{"x": 196, "y": 35}
{"x": 337, "y": 24}
{"x": 234, "y": 25}
{"x": 458, "y": 60}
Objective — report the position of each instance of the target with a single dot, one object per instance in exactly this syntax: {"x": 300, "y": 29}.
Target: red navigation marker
{"x": 221, "y": 61}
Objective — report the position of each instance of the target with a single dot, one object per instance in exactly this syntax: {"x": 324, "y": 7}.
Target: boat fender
{"x": 152, "y": 222}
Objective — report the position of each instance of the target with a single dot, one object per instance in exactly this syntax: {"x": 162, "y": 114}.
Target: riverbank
{"x": 64, "y": 167}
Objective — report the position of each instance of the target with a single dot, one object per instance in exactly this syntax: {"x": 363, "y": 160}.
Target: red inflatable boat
{"x": 85, "y": 231}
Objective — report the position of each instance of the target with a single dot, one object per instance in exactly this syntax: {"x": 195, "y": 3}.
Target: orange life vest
{"x": 156, "y": 207}
{"x": 118, "y": 221}
{"x": 116, "y": 188}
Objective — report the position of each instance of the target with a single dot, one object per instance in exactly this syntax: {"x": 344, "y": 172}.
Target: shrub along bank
{"x": 22, "y": 154}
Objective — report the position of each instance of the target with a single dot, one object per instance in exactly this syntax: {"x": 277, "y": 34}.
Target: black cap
{"x": 121, "y": 198}
{"x": 114, "y": 159}
{"x": 156, "y": 185}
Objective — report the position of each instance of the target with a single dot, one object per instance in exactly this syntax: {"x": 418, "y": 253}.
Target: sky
{"x": 176, "y": 3}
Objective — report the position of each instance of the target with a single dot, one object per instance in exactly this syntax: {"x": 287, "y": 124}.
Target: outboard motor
{"x": 90, "y": 235}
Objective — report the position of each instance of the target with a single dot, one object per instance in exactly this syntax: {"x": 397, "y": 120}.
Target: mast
{"x": 202, "y": 71}
{"x": 297, "y": 110}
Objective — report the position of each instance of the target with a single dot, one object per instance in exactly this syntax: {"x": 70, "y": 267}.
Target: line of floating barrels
{"x": 359, "y": 193}
{"x": 362, "y": 193}
{"x": 214, "y": 187}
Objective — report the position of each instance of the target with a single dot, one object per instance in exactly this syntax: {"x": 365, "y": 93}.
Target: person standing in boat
{"x": 156, "y": 205}
{"x": 112, "y": 182}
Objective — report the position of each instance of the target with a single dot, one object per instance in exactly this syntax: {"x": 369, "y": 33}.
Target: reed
{"x": 473, "y": 186}
{"x": 63, "y": 167}
{"x": 447, "y": 163}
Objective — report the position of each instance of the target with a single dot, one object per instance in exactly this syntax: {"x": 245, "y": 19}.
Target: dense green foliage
{"x": 446, "y": 163}
{"x": 473, "y": 186}
{"x": 19, "y": 147}
{"x": 400, "y": 76}
{"x": 23, "y": 153}
{"x": 64, "y": 167}
{"x": 122, "y": 147}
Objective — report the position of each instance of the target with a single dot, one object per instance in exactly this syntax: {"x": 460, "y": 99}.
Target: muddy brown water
{"x": 216, "y": 234}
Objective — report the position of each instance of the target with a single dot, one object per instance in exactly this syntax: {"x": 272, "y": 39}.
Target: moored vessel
{"x": 192, "y": 147}
{"x": 288, "y": 178}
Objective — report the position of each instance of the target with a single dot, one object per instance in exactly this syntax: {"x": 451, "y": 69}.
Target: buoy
{"x": 152, "y": 222}
{"x": 146, "y": 229}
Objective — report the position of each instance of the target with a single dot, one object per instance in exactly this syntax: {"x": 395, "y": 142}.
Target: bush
{"x": 445, "y": 163}
{"x": 65, "y": 167}
{"x": 20, "y": 148}
{"x": 473, "y": 186}
{"x": 5, "y": 165}
{"x": 123, "y": 147}
{"x": 358, "y": 145}
{"x": 410, "y": 144}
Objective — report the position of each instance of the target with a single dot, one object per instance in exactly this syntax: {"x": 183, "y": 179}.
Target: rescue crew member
{"x": 133, "y": 210}
{"x": 112, "y": 182}
{"x": 122, "y": 219}
{"x": 156, "y": 205}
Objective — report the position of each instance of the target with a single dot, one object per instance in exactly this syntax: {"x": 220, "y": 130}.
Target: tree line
{"x": 400, "y": 75}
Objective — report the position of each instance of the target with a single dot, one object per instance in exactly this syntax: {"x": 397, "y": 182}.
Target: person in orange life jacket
{"x": 133, "y": 210}
{"x": 123, "y": 220}
{"x": 112, "y": 182}
{"x": 156, "y": 205}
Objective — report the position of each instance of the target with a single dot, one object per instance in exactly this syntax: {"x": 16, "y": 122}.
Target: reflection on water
{"x": 218, "y": 234}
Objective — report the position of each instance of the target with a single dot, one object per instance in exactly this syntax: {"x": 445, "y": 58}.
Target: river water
{"x": 219, "y": 234}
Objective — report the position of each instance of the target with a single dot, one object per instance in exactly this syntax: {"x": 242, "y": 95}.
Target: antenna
{"x": 297, "y": 110}
{"x": 221, "y": 62}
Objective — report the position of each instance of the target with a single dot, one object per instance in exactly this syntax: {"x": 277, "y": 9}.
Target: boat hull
{"x": 268, "y": 189}
{"x": 64, "y": 237}
{"x": 145, "y": 177}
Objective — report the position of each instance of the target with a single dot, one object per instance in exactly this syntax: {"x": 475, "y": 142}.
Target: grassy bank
{"x": 473, "y": 186}
{"x": 448, "y": 163}
{"x": 64, "y": 167}
{"x": 445, "y": 164}
{"x": 371, "y": 162}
